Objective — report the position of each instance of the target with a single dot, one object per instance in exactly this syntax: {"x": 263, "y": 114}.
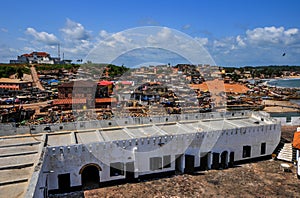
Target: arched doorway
{"x": 224, "y": 160}
{"x": 90, "y": 178}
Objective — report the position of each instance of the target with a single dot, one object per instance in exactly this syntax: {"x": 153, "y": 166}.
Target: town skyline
{"x": 233, "y": 33}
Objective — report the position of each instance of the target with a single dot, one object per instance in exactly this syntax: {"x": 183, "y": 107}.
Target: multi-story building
{"x": 14, "y": 84}
{"x": 36, "y": 57}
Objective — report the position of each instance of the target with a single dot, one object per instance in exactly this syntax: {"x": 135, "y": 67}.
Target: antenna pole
{"x": 58, "y": 49}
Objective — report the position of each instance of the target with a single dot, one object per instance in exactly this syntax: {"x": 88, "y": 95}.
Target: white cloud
{"x": 29, "y": 49}
{"x": 262, "y": 45}
{"x": 4, "y": 30}
{"x": 291, "y": 31}
{"x": 150, "y": 37}
{"x": 104, "y": 34}
{"x": 258, "y": 46}
{"x": 74, "y": 30}
{"x": 43, "y": 37}
{"x": 272, "y": 35}
{"x": 77, "y": 41}
{"x": 8, "y": 53}
{"x": 165, "y": 33}
{"x": 77, "y": 49}
{"x": 240, "y": 41}
{"x": 202, "y": 41}
{"x": 224, "y": 43}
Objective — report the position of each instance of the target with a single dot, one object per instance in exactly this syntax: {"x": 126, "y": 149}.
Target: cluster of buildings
{"x": 149, "y": 121}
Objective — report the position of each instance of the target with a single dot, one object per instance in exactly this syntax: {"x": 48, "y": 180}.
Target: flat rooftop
{"x": 148, "y": 130}
{"x": 18, "y": 155}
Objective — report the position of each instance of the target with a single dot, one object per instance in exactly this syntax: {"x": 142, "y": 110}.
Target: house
{"x": 14, "y": 84}
{"x": 247, "y": 74}
{"x": 80, "y": 93}
{"x": 85, "y": 94}
{"x": 36, "y": 57}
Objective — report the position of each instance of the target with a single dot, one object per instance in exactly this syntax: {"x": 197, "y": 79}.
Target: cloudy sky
{"x": 233, "y": 33}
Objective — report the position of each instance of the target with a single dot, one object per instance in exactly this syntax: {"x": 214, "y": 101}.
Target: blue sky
{"x": 235, "y": 33}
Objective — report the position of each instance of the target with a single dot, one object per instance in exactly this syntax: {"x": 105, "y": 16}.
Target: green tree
{"x": 20, "y": 73}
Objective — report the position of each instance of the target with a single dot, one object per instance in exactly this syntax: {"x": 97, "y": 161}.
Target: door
{"x": 231, "y": 160}
{"x": 129, "y": 171}
{"x": 90, "y": 178}
{"x": 215, "y": 162}
{"x": 224, "y": 163}
{"x": 64, "y": 182}
{"x": 204, "y": 162}
{"x": 178, "y": 163}
{"x": 189, "y": 163}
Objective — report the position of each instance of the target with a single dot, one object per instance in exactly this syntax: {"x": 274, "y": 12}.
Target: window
{"x": 246, "y": 151}
{"x": 155, "y": 163}
{"x": 263, "y": 148}
{"x": 64, "y": 182}
{"x": 116, "y": 169}
{"x": 167, "y": 161}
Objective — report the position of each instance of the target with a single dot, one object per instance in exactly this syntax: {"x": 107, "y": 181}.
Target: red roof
{"x": 43, "y": 54}
{"x": 105, "y": 83}
{"x": 106, "y": 100}
{"x": 69, "y": 101}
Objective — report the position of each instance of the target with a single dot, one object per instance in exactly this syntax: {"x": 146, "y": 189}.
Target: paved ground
{"x": 35, "y": 78}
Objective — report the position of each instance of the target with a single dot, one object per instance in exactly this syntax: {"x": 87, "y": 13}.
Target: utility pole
{"x": 58, "y": 50}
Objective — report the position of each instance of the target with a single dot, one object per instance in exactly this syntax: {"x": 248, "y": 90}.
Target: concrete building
{"x": 83, "y": 154}
{"x": 14, "y": 84}
{"x": 86, "y": 93}
{"x": 39, "y": 58}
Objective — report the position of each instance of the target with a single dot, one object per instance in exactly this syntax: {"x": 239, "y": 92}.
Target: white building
{"x": 36, "y": 57}
{"x": 130, "y": 148}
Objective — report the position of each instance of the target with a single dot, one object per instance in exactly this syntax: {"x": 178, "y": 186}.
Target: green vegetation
{"x": 115, "y": 71}
{"x": 268, "y": 71}
{"x": 7, "y": 70}
{"x": 56, "y": 67}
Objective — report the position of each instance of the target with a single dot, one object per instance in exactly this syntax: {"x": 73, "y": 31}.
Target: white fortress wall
{"x": 10, "y": 129}
{"x": 70, "y": 159}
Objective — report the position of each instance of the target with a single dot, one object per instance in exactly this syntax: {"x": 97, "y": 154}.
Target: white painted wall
{"x": 70, "y": 159}
{"x": 283, "y": 120}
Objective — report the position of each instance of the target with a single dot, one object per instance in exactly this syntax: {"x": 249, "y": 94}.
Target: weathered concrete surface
{"x": 18, "y": 155}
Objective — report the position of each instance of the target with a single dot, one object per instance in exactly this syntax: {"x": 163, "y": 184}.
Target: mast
{"x": 58, "y": 50}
